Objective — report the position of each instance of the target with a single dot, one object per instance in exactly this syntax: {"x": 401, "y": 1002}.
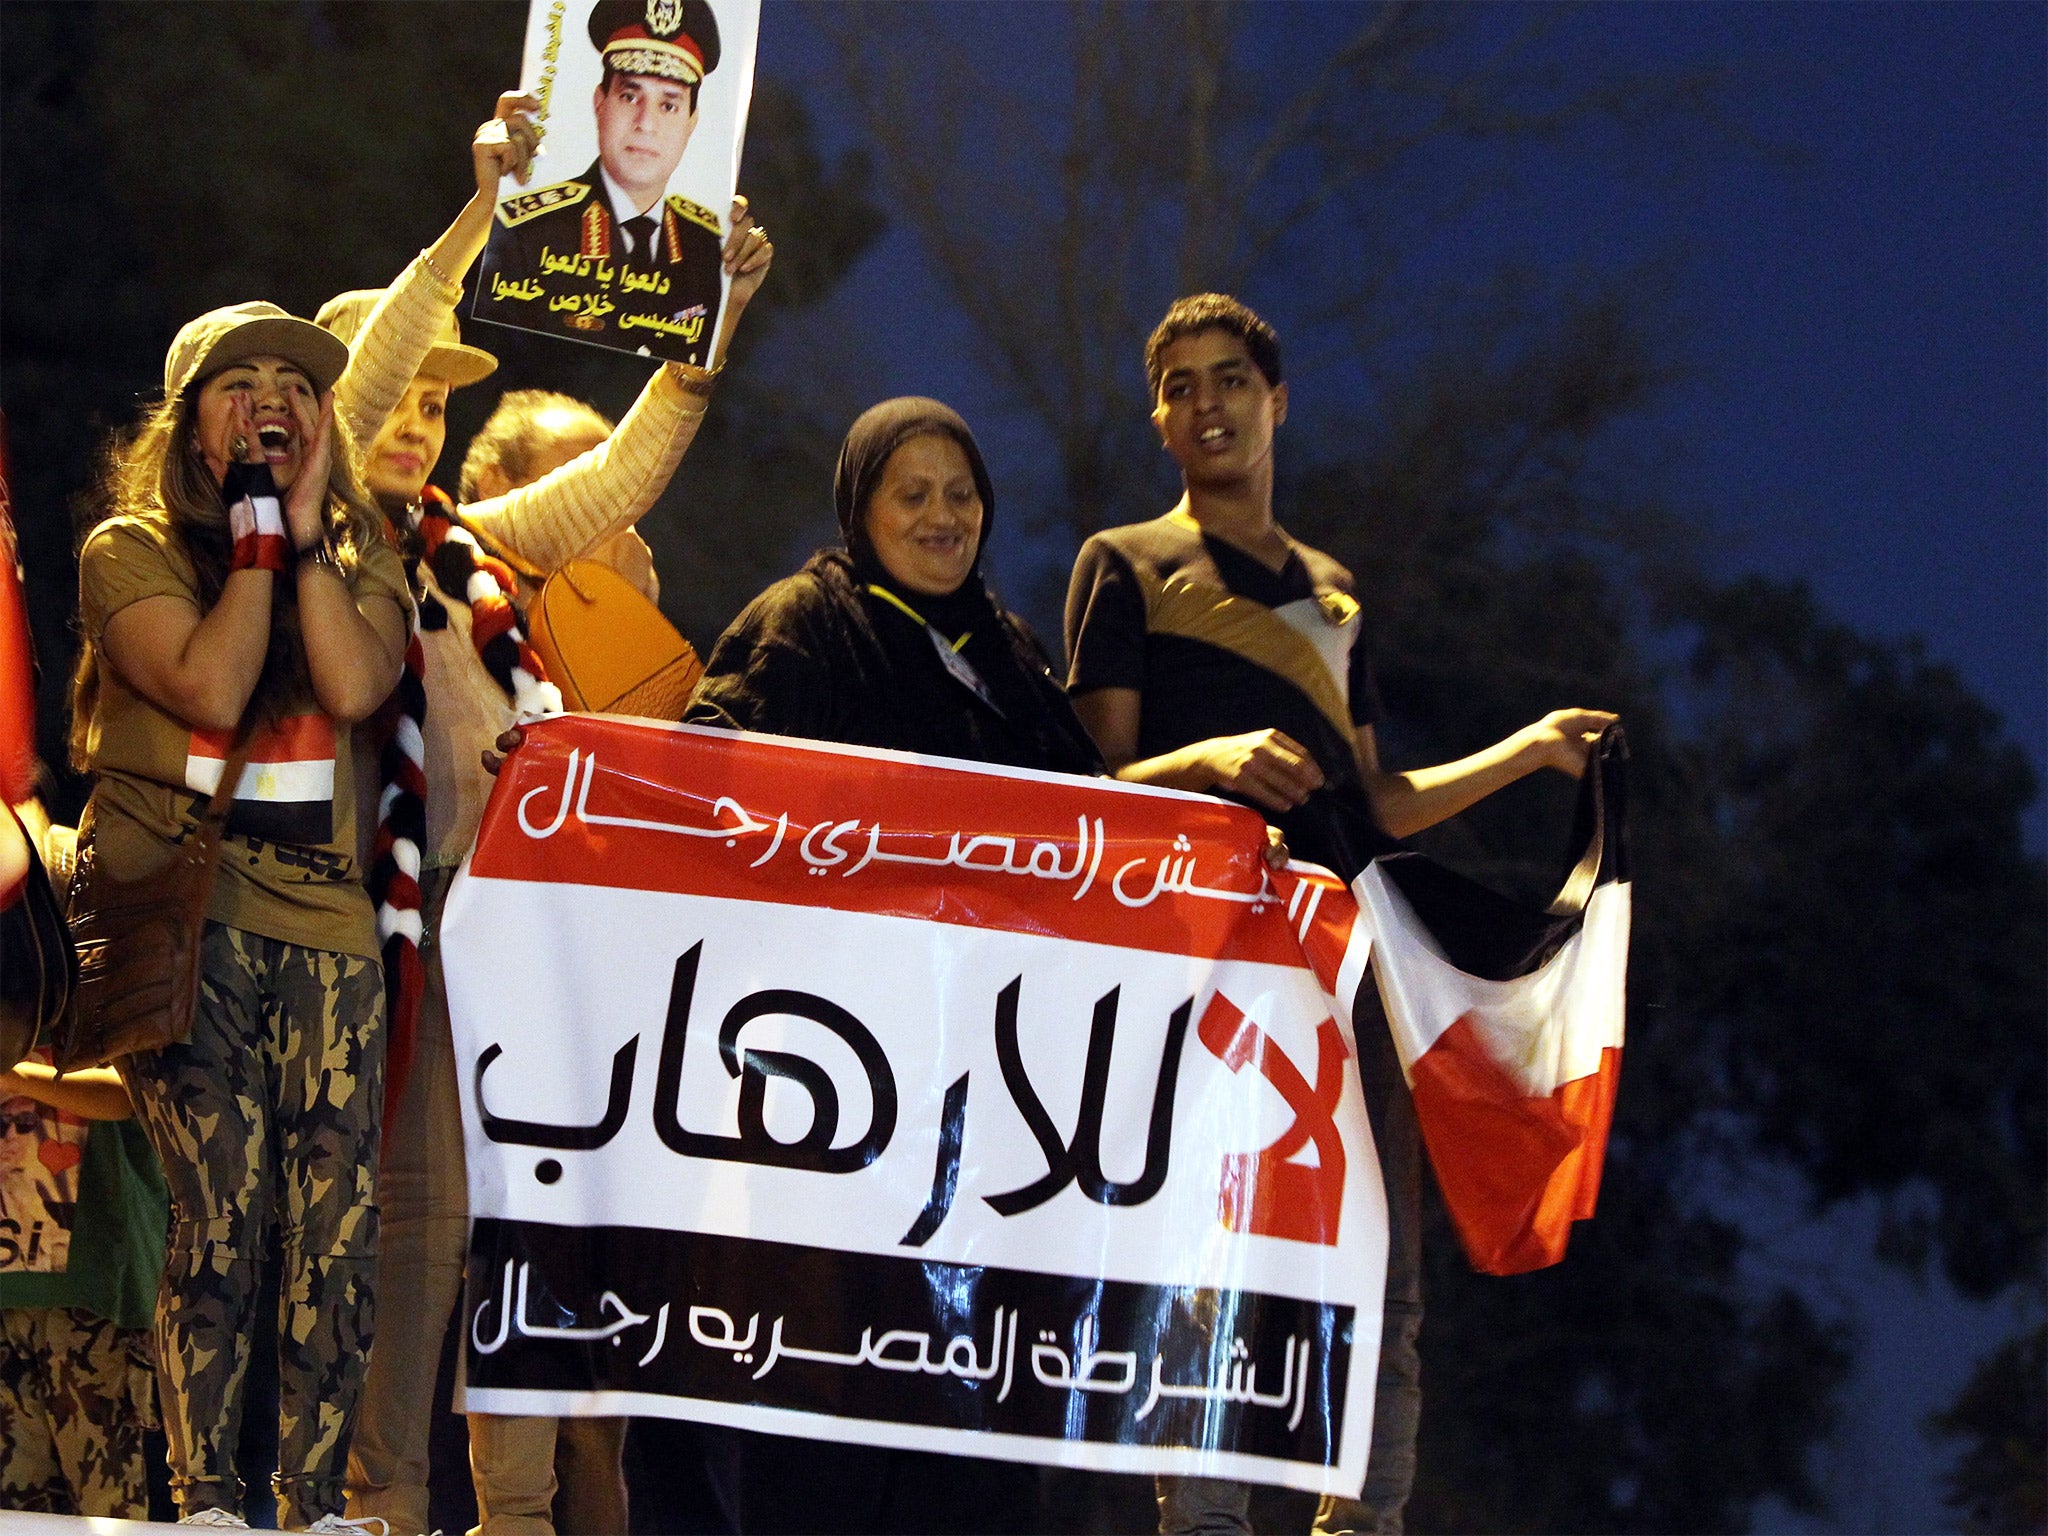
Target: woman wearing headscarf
{"x": 241, "y": 586}
{"x": 896, "y": 642}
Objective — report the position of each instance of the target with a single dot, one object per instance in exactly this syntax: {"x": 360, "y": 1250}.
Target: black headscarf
{"x": 879, "y": 432}
{"x": 821, "y": 655}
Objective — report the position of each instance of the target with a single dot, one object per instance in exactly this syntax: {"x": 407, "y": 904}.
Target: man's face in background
{"x": 20, "y": 1133}
{"x": 644, "y": 124}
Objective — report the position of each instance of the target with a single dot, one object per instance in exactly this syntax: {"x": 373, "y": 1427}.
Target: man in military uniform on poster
{"x": 610, "y": 256}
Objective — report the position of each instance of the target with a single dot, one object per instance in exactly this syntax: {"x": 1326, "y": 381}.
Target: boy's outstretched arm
{"x": 1406, "y": 803}
{"x": 1272, "y": 770}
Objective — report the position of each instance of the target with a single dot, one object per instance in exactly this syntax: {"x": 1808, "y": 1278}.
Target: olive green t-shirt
{"x": 290, "y": 867}
{"x": 83, "y": 1214}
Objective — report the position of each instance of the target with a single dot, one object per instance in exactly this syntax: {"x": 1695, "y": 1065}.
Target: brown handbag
{"x": 608, "y": 648}
{"x": 138, "y": 940}
{"x": 38, "y": 968}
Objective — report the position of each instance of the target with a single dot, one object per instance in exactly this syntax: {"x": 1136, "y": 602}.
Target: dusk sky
{"x": 1859, "y": 304}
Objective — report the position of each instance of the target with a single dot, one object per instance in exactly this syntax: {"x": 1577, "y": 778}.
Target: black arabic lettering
{"x": 1080, "y": 1159}
{"x": 946, "y": 1174}
{"x": 814, "y": 1151}
{"x": 566, "y": 1138}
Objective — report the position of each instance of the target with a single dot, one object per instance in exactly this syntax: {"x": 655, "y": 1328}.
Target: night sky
{"x": 1858, "y": 300}
{"x": 1857, "y": 296}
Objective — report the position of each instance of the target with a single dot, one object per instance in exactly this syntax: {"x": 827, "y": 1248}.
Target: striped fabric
{"x": 465, "y": 573}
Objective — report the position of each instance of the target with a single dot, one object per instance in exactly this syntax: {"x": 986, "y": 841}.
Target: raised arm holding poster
{"x": 625, "y": 253}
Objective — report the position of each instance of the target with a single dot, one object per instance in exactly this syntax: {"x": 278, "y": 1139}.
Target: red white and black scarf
{"x": 464, "y": 574}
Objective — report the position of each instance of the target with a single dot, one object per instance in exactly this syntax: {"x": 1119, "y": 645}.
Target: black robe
{"x": 819, "y": 656}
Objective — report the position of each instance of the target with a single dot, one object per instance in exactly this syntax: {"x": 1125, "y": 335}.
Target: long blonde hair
{"x": 154, "y": 472}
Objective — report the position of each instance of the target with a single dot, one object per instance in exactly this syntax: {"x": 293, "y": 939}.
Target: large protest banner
{"x": 914, "y": 1103}
{"x": 643, "y": 112}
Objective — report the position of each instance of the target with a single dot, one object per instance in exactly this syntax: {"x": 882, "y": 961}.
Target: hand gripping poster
{"x": 615, "y": 241}
{"x": 906, "y": 1102}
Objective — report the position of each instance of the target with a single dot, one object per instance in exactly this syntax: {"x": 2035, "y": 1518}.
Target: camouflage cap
{"x": 238, "y": 332}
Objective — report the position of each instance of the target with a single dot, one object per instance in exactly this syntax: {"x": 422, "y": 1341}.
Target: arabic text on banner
{"x": 913, "y": 1103}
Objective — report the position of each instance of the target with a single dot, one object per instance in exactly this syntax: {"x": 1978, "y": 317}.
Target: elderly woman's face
{"x": 924, "y": 518}
{"x": 267, "y": 400}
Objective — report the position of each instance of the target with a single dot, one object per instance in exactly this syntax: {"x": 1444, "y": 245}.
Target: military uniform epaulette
{"x": 565, "y": 194}
{"x": 696, "y": 213}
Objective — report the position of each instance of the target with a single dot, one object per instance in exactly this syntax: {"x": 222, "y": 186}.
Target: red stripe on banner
{"x": 610, "y": 802}
{"x": 1589, "y": 1103}
{"x": 1321, "y": 910}
{"x": 297, "y": 739}
{"x": 1516, "y": 1171}
{"x": 1267, "y": 1192}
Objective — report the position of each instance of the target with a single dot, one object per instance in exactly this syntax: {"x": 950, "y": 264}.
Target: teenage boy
{"x": 1210, "y": 651}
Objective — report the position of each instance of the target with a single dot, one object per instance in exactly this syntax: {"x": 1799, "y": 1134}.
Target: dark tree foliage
{"x": 1838, "y": 957}
{"x": 2000, "y": 1482}
{"x": 1879, "y": 936}
{"x": 1643, "y": 1384}
{"x": 81, "y": 333}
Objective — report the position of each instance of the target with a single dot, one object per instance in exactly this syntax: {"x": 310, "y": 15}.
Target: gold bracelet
{"x": 692, "y": 380}
{"x": 433, "y": 271}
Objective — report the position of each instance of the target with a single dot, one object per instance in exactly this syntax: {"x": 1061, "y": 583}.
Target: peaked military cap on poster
{"x": 672, "y": 39}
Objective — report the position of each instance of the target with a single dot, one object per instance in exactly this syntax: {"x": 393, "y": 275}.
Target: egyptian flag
{"x": 1508, "y": 1022}
{"x": 286, "y": 794}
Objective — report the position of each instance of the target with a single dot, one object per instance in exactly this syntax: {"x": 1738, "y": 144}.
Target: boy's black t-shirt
{"x": 1217, "y": 644}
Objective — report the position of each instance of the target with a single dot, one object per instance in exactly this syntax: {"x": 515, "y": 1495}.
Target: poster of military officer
{"x": 625, "y": 254}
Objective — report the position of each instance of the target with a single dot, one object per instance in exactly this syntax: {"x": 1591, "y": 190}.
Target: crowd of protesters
{"x": 273, "y": 563}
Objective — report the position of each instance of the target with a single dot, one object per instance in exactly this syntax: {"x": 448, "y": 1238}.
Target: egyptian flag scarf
{"x": 465, "y": 574}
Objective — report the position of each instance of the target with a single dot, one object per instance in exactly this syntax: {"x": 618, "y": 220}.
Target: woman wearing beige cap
{"x": 241, "y": 589}
{"x": 468, "y": 677}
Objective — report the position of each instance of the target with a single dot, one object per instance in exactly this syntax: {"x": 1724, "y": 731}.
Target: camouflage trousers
{"x": 267, "y": 1118}
{"x": 75, "y": 1399}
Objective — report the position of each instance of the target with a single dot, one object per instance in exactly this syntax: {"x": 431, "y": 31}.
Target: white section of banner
{"x": 563, "y": 978}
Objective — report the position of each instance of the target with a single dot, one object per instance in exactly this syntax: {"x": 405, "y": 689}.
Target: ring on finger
{"x": 239, "y": 447}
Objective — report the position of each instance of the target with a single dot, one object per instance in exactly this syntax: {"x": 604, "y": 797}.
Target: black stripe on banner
{"x": 1224, "y": 1344}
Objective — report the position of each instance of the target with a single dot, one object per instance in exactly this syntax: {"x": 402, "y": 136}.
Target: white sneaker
{"x": 338, "y": 1525}
{"x": 222, "y": 1518}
